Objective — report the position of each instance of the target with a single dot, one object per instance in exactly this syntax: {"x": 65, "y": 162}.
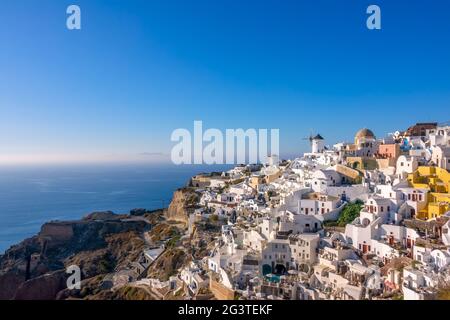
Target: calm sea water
{"x": 31, "y": 196}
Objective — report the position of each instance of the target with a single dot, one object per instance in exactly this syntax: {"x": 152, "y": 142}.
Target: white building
{"x": 441, "y": 157}
{"x": 406, "y": 164}
{"x": 317, "y": 144}
{"x": 417, "y": 285}
{"x": 304, "y": 248}
{"x": 440, "y": 136}
{"x": 321, "y": 179}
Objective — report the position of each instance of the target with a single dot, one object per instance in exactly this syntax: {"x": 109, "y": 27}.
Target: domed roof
{"x": 317, "y": 137}
{"x": 364, "y": 133}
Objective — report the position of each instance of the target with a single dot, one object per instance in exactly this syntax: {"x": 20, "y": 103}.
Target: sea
{"x": 31, "y": 196}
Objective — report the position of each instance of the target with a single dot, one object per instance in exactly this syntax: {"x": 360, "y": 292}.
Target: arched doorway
{"x": 266, "y": 269}
{"x": 280, "y": 269}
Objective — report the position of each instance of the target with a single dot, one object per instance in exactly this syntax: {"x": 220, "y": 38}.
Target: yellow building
{"x": 437, "y": 180}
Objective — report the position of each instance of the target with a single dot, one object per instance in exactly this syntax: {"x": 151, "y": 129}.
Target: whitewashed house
{"x": 441, "y": 157}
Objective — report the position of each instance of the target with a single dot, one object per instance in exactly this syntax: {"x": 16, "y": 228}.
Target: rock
{"x": 44, "y": 287}
{"x": 183, "y": 201}
{"x": 9, "y": 282}
{"x": 35, "y": 268}
{"x": 167, "y": 264}
{"x": 102, "y": 215}
{"x": 56, "y": 233}
{"x": 138, "y": 212}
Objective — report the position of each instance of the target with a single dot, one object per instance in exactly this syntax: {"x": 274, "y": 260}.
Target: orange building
{"x": 389, "y": 151}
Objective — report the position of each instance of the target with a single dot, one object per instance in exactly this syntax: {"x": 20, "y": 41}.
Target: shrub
{"x": 172, "y": 242}
{"x": 350, "y": 212}
{"x": 213, "y": 218}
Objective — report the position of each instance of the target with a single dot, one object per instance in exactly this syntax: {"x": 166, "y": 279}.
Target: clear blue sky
{"x": 140, "y": 69}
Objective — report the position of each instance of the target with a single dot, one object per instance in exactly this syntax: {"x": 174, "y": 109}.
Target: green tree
{"x": 350, "y": 212}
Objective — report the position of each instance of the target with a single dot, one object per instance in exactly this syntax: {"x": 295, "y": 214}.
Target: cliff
{"x": 183, "y": 202}
{"x": 98, "y": 243}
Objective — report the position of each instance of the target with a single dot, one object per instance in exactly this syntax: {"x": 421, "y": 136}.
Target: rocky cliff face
{"x": 167, "y": 264}
{"x": 183, "y": 201}
{"x": 35, "y": 268}
{"x": 44, "y": 287}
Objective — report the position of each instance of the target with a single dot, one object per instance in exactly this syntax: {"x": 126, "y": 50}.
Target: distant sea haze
{"x": 31, "y": 196}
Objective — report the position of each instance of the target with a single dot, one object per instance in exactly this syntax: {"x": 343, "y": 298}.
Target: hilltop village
{"x": 367, "y": 219}
{"x": 362, "y": 220}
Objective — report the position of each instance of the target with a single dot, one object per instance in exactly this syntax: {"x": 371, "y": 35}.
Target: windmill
{"x": 316, "y": 141}
{"x": 310, "y": 138}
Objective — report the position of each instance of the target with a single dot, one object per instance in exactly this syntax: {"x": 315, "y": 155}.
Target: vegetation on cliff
{"x": 349, "y": 213}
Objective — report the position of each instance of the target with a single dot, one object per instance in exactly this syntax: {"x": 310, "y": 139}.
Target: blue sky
{"x": 140, "y": 69}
